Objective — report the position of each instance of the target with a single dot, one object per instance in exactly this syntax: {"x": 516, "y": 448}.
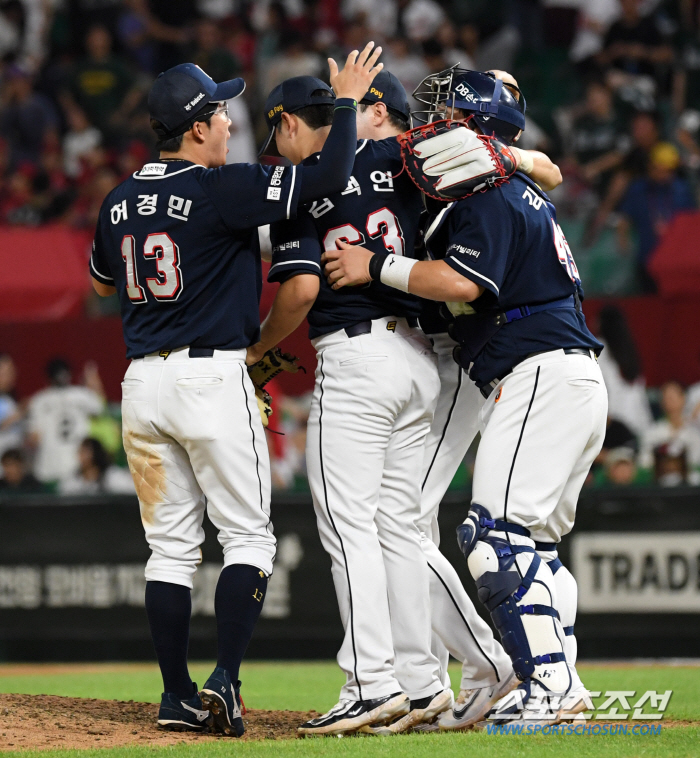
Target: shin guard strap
{"x": 539, "y": 610}
{"x": 549, "y": 658}
{"x": 528, "y": 579}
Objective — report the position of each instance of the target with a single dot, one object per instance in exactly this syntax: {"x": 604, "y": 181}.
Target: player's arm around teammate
{"x": 178, "y": 242}
{"x": 533, "y": 358}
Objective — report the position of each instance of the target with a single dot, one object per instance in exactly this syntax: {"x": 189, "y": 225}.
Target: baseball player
{"x": 178, "y": 243}
{"x": 455, "y": 425}
{"x": 524, "y": 341}
{"x": 370, "y": 413}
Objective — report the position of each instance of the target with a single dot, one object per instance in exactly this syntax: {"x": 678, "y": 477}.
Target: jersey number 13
{"x": 168, "y": 284}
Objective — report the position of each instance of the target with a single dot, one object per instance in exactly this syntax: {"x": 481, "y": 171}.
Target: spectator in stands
{"x": 622, "y": 372}
{"x": 380, "y": 17}
{"x": 686, "y": 91}
{"x": 210, "y": 55}
{"x": 294, "y": 59}
{"x": 11, "y": 414}
{"x": 671, "y": 447}
{"x": 634, "y": 46}
{"x": 650, "y": 204}
{"x": 241, "y": 143}
{"x": 26, "y": 118}
{"x": 620, "y": 469}
{"x": 454, "y": 51}
{"x": 80, "y": 139}
{"x": 16, "y": 478}
{"x": 134, "y": 32}
{"x": 96, "y": 474}
{"x": 408, "y": 67}
{"x": 597, "y": 142}
{"x": 171, "y": 24}
{"x": 420, "y": 19}
{"x": 59, "y": 418}
{"x": 84, "y": 212}
{"x": 289, "y": 462}
{"x": 17, "y": 205}
{"x": 103, "y": 86}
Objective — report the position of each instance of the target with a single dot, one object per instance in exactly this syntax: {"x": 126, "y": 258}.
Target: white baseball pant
{"x": 194, "y": 441}
{"x": 541, "y": 429}
{"x": 457, "y": 627}
{"x": 372, "y": 407}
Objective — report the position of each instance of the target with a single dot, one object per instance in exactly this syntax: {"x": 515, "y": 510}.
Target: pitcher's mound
{"x": 30, "y": 722}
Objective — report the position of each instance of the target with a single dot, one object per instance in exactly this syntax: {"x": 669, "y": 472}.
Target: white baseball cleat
{"x": 420, "y": 717}
{"x": 350, "y": 715}
{"x": 473, "y": 705}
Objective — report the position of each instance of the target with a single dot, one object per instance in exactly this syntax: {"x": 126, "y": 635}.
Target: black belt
{"x": 194, "y": 352}
{"x": 487, "y": 389}
{"x": 365, "y": 327}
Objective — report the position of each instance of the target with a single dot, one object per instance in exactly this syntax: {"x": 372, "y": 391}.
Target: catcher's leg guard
{"x": 519, "y": 597}
{"x": 567, "y": 596}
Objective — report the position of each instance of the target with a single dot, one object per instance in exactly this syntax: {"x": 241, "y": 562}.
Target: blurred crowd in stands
{"x": 613, "y": 89}
{"x": 66, "y": 438}
{"x": 613, "y": 92}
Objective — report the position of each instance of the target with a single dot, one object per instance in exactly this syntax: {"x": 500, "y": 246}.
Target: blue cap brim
{"x": 228, "y": 90}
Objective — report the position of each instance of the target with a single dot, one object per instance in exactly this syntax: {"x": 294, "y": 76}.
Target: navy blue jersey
{"x": 508, "y": 241}
{"x": 180, "y": 244}
{"x": 379, "y": 209}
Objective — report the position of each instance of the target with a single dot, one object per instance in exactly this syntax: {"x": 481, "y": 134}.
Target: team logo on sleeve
{"x": 274, "y": 190}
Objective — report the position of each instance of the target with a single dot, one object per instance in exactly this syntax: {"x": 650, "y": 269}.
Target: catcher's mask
{"x": 497, "y": 108}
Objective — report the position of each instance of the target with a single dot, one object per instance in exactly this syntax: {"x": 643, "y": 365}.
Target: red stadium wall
{"x": 666, "y": 331}
{"x": 45, "y": 280}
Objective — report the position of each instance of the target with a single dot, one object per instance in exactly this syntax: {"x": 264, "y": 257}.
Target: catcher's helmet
{"x": 497, "y": 108}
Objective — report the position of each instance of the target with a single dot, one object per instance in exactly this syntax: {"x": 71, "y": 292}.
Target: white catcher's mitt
{"x": 463, "y": 161}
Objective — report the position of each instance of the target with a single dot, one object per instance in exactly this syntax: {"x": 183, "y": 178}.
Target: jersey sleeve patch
{"x": 479, "y": 240}
{"x": 295, "y": 249}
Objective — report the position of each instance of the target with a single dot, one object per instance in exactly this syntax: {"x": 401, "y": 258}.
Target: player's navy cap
{"x": 387, "y": 89}
{"x": 180, "y": 95}
{"x": 292, "y": 95}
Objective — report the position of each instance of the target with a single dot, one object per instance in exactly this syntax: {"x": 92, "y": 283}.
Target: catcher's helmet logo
{"x": 467, "y": 94}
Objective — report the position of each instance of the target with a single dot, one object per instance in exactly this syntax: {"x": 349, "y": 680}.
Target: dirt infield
{"x": 33, "y": 722}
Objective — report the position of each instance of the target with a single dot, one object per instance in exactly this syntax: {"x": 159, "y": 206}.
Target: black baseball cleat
{"x": 224, "y": 702}
{"x": 350, "y": 715}
{"x": 182, "y": 715}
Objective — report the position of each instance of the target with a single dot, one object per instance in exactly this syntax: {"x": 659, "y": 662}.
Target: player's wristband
{"x": 375, "y": 265}
{"x": 345, "y": 102}
{"x": 396, "y": 270}
{"x": 527, "y": 162}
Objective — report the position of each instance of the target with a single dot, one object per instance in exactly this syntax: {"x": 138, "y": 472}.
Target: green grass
{"x": 672, "y": 743}
{"x": 304, "y": 686}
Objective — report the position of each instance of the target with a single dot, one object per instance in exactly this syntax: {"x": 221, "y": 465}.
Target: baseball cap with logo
{"x": 183, "y": 94}
{"x": 387, "y": 89}
{"x": 292, "y": 95}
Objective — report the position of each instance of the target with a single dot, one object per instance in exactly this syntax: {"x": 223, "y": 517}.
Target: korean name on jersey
{"x": 180, "y": 244}
{"x": 380, "y": 209}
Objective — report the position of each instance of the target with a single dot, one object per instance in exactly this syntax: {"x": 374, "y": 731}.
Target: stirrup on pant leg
{"x": 519, "y": 604}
